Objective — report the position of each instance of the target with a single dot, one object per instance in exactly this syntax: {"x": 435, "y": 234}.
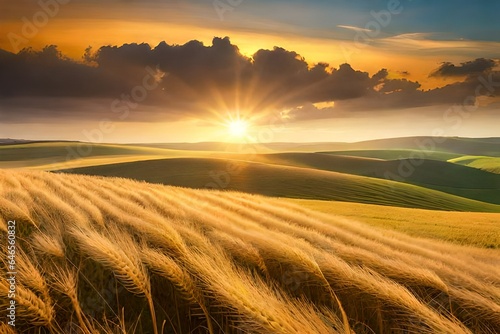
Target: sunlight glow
{"x": 238, "y": 127}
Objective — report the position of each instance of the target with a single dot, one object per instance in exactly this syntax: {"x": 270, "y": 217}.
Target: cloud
{"x": 193, "y": 80}
{"x": 310, "y": 111}
{"x": 354, "y": 28}
{"x": 474, "y": 67}
{"x": 48, "y": 73}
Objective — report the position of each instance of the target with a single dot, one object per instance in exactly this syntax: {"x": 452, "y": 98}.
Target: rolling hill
{"x": 439, "y": 175}
{"x": 393, "y": 154}
{"x": 445, "y": 145}
{"x": 489, "y": 164}
{"x": 58, "y": 155}
{"x": 284, "y": 181}
{"x": 455, "y": 178}
{"x": 457, "y": 145}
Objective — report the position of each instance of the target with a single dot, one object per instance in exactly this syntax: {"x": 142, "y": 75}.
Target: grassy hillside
{"x": 471, "y": 228}
{"x": 478, "y": 146}
{"x": 38, "y": 153}
{"x": 490, "y": 164}
{"x": 44, "y": 150}
{"x": 439, "y": 175}
{"x": 451, "y": 178}
{"x": 58, "y": 155}
{"x": 114, "y": 255}
{"x": 392, "y": 154}
{"x": 285, "y": 181}
{"x": 453, "y": 145}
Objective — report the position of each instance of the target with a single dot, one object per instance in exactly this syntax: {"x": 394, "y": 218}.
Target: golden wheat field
{"x": 108, "y": 255}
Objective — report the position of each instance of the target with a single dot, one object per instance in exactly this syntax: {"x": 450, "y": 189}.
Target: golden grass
{"x": 114, "y": 255}
{"x": 48, "y": 244}
{"x": 65, "y": 281}
{"x": 6, "y": 329}
{"x": 442, "y": 225}
{"x": 29, "y": 306}
{"x": 120, "y": 255}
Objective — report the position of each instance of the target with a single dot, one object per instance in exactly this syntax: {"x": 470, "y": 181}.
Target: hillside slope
{"x": 445, "y": 145}
{"x": 285, "y": 181}
{"x": 114, "y": 255}
{"x": 58, "y": 154}
{"x": 394, "y": 154}
{"x": 490, "y": 164}
{"x": 439, "y": 175}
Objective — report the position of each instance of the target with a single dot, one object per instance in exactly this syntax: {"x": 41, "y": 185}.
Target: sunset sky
{"x": 182, "y": 70}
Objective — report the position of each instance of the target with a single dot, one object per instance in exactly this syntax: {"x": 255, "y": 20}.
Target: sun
{"x": 238, "y": 127}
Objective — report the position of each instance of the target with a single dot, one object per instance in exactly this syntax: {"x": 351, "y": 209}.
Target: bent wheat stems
{"x": 251, "y": 264}
{"x": 123, "y": 262}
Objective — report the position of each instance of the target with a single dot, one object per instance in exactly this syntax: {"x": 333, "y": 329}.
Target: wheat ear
{"x": 28, "y": 305}
{"x": 125, "y": 266}
{"x": 168, "y": 268}
{"x": 65, "y": 281}
{"x": 48, "y": 245}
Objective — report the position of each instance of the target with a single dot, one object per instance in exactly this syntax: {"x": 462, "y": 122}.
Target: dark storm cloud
{"x": 48, "y": 73}
{"x": 404, "y": 94}
{"x": 383, "y": 84}
{"x": 199, "y": 76}
{"x": 474, "y": 67}
{"x": 193, "y": 78}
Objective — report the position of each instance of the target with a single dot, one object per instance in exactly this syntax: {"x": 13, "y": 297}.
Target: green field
{"x": 452, "y": 177}
{"x": 361, "y": 175}
{"x": 438, "y": 175}
{"x": 490, "y": 164}
{"x": 445, "y": 146}
{"x": 397, "y": 154}
{"x": 59, "y": 155}
{"x": 285, "y": 181}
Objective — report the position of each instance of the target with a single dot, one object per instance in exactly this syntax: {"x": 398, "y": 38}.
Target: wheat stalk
{"x": 13, "y": 211}
{"x": 264, "y": 309}
{"x": 123, "y": 262}
{"x": 168, "y": 268}
{"x": 241, "y": 250}
{"x": 28, "y": 305}
{"x": 65, "y": 281}
{"x": 30, "y": 276}
{"x": 395, "y": 273}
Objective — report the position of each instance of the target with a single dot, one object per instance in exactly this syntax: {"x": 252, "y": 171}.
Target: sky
{"x": 248, "y": 70}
